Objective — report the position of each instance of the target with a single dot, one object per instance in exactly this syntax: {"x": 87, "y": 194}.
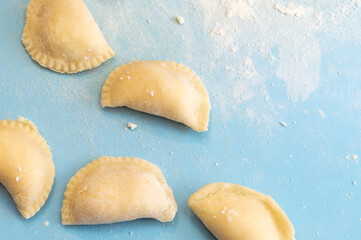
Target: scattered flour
{"x": 321, "y": 113}
{"x": 249, "y": 81}
{"x": 241, "y": 9}
{"x": 353, "y": 157}
{"x": 259, "y": 27}
{"x": 291, "y": 9}
{"x": 228, "y": 213}
{"x": 285, "y": 37}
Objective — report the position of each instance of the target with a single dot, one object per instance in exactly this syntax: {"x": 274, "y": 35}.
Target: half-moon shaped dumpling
{"x": 26, "y": 166}
{"x": 161, "y": 88}
{"x": 233, "y": 212}
{"x": 116, "y": 189}
{"x": 63, "y": 36}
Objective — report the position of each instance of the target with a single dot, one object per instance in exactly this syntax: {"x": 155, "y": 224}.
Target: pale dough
{"x": 26, "y": 167}
{"x": 116, "y": 189}
{"x": 162, "y": 88}
{"x": 63, "y": 36}
{"x": 234, "y": 212}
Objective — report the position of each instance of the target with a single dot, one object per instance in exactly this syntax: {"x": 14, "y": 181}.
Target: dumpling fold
{"x": 62, "y": 35}
{"x": 162, "y": 88}
{"x": 234, "y": 212}
{"x": 26, "y": 167}
{"x": 116, "y": 189}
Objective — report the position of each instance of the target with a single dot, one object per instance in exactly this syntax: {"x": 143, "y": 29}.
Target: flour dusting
{"x": 284, "y": 35}
{"x": 284, "y": 38}
{"x": 300, "y": 66}
{"x": 238, "y": 8}
{"x": 249, "y": 81}
{"x": 291, "y": 9}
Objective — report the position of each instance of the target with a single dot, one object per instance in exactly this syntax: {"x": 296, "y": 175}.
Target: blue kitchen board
{"x": 307, "y": 166}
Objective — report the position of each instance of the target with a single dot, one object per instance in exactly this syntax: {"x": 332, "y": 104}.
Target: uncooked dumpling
{"x": 162, "y": 88}
{"x": 116, "y": 189}
{"x": 234, "y": 212}
{"x": 26, "y": 167}
{"x": 63, "y": 36}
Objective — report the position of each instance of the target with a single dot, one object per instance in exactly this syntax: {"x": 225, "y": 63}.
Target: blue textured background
{"x": 302, "y": 166}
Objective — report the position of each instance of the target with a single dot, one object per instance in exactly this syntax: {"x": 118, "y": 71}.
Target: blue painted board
{"x": 302, "y": 166}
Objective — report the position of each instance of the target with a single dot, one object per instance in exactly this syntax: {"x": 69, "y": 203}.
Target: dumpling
{"x": 26, "y": 166}
{"x": 63, "y": 36}
{"x": 234, "y": 212}
{"x": 162, "y": 88}
{"x": 116, "y": 189}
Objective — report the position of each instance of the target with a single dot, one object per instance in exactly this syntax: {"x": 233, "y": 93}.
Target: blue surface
{"x": 302, "y": 166}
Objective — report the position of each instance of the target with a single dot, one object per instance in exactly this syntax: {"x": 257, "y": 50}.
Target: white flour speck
{"x": 132, "y": 126}
{"x": 180, "y": 20}
{"x": 283, "y": 124}
{"x": 291, "y": 9}
{"x": 321, "y": 113}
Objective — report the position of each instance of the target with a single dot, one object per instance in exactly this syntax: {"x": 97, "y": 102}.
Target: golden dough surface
{"x": 63, "y": 36}
{"x": 26, "y": 167}
{"x": 162, "y": 88}
{"x": 234, "y": 212}
{"x": 110, "y": 190}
